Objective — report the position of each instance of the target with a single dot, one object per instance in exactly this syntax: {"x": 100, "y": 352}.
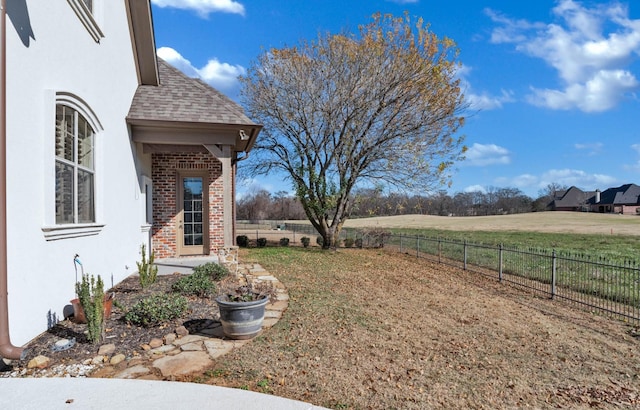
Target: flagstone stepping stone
{"x": 183, "y": 364}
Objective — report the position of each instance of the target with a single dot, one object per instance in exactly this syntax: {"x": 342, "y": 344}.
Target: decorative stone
{"x": 39, "y": 362}
{"x": 191, "y": 347}
{"x": 117, "y": 359}
{"x": 182, "y": 331}
{"x": 169, "y": 338}
{"x": 145, "y": 347}
{"x": 98, "y": 360}
{"x": 217, "y": 348}
{"x": 162, "y": 349}
{"x": 280, "y": 305}
{"x": 107, "y": 350}
{"x": 133, "y": 372}
{"x": 155, "y": 343}
{"x": 272, "y": 314}
{"x": 189, "y": 339}
{"x": 183, "y": 364}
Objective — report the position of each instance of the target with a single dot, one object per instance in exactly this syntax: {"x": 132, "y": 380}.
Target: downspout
{"x": 7, "y": 350}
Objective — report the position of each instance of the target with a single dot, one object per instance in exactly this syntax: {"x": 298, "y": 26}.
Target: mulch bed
{"x": 127, "y": 338}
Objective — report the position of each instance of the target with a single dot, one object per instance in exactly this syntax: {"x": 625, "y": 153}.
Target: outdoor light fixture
{"x": 243, "y": 136}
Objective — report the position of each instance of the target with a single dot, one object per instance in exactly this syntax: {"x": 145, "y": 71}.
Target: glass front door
{"x": 192, "y": 215}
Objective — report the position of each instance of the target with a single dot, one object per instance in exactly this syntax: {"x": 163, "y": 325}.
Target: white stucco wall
{"x": 62, "y": 56}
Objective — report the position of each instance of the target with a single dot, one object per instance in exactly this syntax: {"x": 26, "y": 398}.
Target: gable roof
{"x": 184, "y": 99}
{"x": 188, "y": 111}
{"x": 628, "y": 194}
{"x": 572, "y": 198}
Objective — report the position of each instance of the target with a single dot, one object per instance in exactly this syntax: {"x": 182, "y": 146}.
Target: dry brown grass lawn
{"x": 371, "y": 329}
{"x": 566, "y": 222}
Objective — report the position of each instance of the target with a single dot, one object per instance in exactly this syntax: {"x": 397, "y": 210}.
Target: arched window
{"x": 75, "y": 167}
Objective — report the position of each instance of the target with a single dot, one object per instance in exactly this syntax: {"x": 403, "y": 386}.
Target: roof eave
{"x": 143, "y": 40}
{"x": 178, "y": 132}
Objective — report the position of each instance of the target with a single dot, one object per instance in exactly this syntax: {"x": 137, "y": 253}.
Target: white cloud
{"x": 222, "y": 76}
{"x": 575, "y": 177}
{"x": 634, "y": 167}
{"x": 485, "y": 101}
{"x": 489, "y": 154}
{"x": 203, "y": 7}
{"x": 591, "y": 149}
{"x": 600, "y": 93}
{"x": 482, "y": 101}
{"x": 591, "y": 61}
{"x": 475, "y": 188}
{"x": 568, "y": 177}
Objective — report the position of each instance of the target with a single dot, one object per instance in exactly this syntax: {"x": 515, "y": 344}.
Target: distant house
{"x": 572, "y": 199}
{"x": 624, "y": 199}
{"x": 107, "y": 148}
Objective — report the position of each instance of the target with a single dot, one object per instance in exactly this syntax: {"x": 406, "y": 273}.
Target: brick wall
{"x": 165, "y": 168}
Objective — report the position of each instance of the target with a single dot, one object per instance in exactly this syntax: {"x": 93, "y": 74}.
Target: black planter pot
{"x": 241, "y": 320}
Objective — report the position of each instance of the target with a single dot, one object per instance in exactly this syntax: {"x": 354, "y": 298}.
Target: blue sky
{"x": 552, "y": 84}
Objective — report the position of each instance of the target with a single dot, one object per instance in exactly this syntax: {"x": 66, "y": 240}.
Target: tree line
{"x": 263, "y": 205}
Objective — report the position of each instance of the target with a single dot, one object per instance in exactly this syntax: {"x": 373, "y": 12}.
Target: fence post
{"x": 500, "y": 263}
{"x": 418, "y": 247}
{"x": 439, "y": 249}
{"x": 257, "y": 235}
{"x": 401, "y": 236}
{"x": 465, "y": 254}
{"x": 553, "y": 273}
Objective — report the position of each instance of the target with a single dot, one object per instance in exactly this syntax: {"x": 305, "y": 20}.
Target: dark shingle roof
{"x": 573, "y": 197}
{"x": 184, "y": 99}
{"x": 628, "y": 194}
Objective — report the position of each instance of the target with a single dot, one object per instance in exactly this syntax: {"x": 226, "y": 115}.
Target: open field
{"x": 372, "y": 329}
{"x": 558, "y": 222}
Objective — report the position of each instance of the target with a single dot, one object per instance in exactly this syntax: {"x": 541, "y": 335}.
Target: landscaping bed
{"x": 129, "y": 339}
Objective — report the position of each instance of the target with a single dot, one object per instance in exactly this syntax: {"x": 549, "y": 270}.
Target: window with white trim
{"x": 75, "y": 168}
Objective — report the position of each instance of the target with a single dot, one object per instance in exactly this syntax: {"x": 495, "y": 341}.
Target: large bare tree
{"x": 380, "y": 105}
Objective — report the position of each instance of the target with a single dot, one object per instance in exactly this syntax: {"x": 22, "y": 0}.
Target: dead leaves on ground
{"x": 616, "y": 394}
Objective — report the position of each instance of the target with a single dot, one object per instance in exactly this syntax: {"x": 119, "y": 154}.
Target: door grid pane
{"x": 192, "y": 205}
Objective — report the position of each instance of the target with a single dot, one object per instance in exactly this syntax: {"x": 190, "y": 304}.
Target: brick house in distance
{"x": 624, "y": 199}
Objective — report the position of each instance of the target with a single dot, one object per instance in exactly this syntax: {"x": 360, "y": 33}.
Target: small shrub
{"x": 156, "y": 309}
{"x": 348, "y": 242}
{"x": 215, "y": 270}
{"x": 197, "y": 284}
{"x": 305, "y": 241}
{"x": 262, "y": 242}
{"x": 91, "y": 296}
{"x": 284, "y": 241}
{"x": 147, "y": 271}
{"x": 320, "y": 240}
{"x": 242, "y": 241}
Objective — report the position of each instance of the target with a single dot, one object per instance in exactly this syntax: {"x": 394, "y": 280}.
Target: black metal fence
{"x": 592, "y": 282}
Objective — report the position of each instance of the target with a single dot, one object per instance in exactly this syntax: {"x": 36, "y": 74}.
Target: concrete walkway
{"x": 136, "y": 382}
{"x": 82, "y": 393}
